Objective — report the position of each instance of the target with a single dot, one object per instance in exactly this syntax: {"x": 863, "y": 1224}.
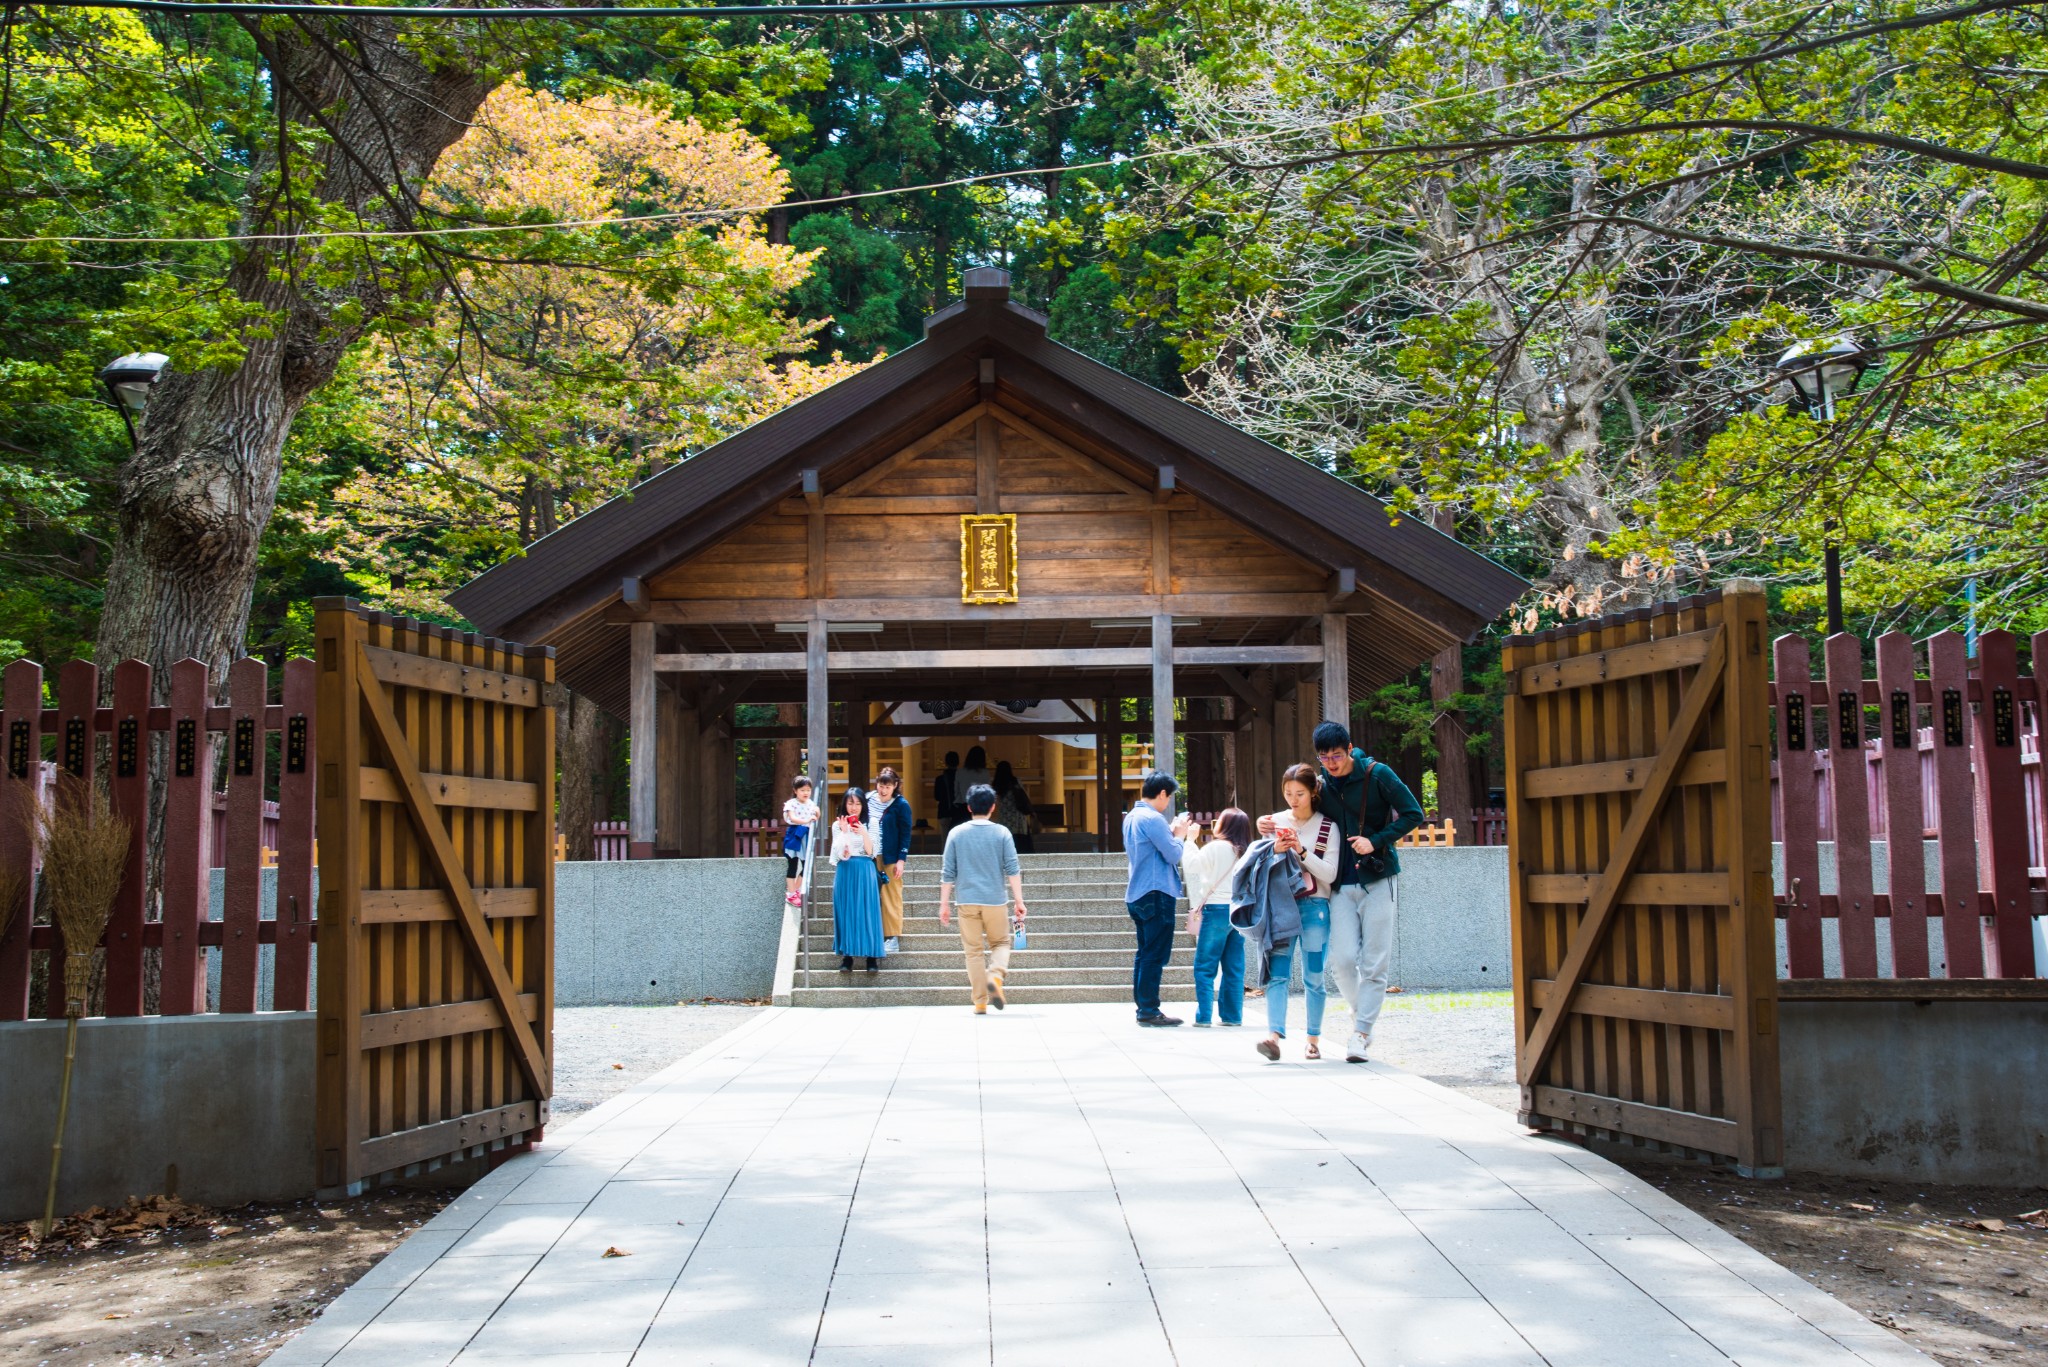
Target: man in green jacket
{"x": 1374, "y": 809}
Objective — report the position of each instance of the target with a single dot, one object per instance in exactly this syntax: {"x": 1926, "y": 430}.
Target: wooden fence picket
{"x": 1898, "y": 738}
{"x": 78, "y": 695}
{"x": 129, "y": 788}
{"x": 1848, "y": 782}
{"x": 1798, "y": 821}
{"x": 2001, "y": 814}
{"x": 242, "y": 881}
{"x": 291, "y": 984}
{"x": 1948, "y": 672}
{"x": 187, "y": 816}
{"x": 21, "y": 724}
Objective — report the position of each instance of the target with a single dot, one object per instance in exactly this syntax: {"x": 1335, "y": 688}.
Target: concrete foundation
{"x": 666, "y": 930}
{"x": 217, "y": 1109}
{"x": 1941, "y": 1091}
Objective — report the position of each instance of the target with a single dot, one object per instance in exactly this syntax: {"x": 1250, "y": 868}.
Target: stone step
{"x": 958, "y": 994}
{"x": 948, "y": 941}
{"x": 1108, "y": 912}
{"x": 921, "y": 878}
{"x": 1020, "y": 973}
{"x": 1035, "y": 959}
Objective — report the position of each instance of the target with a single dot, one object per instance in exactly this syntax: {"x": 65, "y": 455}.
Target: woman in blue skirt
{"x": 856, "y": 892}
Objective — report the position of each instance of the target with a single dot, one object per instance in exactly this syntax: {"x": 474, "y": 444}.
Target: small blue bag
{"x": 1017, "y": 940}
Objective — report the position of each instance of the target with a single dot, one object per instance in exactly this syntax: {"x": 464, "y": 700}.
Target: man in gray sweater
{"x": 980, "y": 858}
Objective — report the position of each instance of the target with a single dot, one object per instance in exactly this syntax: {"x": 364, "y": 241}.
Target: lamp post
{"x": 1817, "y": 376}
{"x": 128, "y": 379}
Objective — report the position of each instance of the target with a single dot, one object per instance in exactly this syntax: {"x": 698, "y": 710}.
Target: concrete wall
{"x": 1452, "y": 929}
{"x": 1942, "y": 1091}
{"x": 666, "y": 930}
{"x": 226, "y": 1100}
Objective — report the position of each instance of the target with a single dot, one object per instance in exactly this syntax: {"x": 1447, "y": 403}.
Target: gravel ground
{"x": 1464, "y": 1040}
{"x": 602, "y": 1050}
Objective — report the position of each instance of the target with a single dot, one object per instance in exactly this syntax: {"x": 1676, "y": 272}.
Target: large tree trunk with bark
{"x": 376, "y": 113}
{"x": 788, "y": 756}
{"x": 1453, "y": 758}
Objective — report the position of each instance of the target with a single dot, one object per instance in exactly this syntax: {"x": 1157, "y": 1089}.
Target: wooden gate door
{"x": 1639, "y": 843}
{"x": 436, "y": 949}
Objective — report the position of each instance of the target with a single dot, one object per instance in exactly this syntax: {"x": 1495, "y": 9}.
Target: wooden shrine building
{"x": 985, "y": 539}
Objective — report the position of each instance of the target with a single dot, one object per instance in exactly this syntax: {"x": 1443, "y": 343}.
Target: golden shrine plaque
{"x": 988, "y": 558}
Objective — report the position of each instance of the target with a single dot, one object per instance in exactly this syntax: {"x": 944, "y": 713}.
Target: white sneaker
{"x": 1355, "y": 1047}
{"x": 889, "y": 945}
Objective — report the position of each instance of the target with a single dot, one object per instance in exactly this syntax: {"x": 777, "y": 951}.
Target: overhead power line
{"x": 576, "y": 13}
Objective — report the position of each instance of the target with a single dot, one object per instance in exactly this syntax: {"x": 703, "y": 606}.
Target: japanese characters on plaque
{"x": 988, "y": 558}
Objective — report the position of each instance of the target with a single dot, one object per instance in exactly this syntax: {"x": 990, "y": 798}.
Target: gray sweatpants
{"x": 1362, "y": 948}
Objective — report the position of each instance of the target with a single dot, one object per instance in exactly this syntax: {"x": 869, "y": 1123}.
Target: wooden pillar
{"x": 1054, "y": 787}
{"x": 641, "y": 765}
{"x": 858, "y": 757}
{"x": 720, "y": 764}
{"x": 817, "y": 717}
{"x": 1337, "y": 669}
{"x": 688, "y": 783}
{"x": 1109, "y": 766}
{"x": 1162, "y": 692}
{"x": 674, "y": 768}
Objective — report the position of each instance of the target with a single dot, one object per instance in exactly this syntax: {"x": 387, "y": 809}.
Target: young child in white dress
{"x": 799, "y": 820}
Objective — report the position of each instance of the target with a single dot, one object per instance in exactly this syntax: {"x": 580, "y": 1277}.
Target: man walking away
{"x": 946, "y": 793}
{"x": 1154, "y": 848}
{"x": 1374, "y": 809}
{"x": 980, "y": 858}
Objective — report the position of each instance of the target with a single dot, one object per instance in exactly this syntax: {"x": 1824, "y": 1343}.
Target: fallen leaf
{"x": 1988, "y": 1226}
{"x": 1858, "y": 1205}
{"x": 117, "y": 1315}
{"x": 616, "y": 1253}
{"x": 618, "y": 1067}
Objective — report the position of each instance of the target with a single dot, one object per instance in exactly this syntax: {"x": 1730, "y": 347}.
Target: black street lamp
{"x": 1817, "y": 376}
{"x": 128, "y": 380}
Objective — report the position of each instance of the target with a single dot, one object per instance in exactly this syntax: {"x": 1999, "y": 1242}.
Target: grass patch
{"x": 1447, "y": 1001}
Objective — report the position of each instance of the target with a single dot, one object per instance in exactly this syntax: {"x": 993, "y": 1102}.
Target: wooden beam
{"x": 1208, "y": 726}
{"x": 1208, "y": 606}
{"x": 455, "y": 790}
{"x": 1236, "y": 681}
{"x": 1913, "y": 990}
{"x": 1023, "y": 657}
{"x": 1620, "y": 776}
{"x": 1336, "y": 649}
{"x": 1642, "y": 889}
{"x": 383, "y": 1029}
{"x": 1162, "y": 690}
{"x": 1081, "y": 460}
{"x": 633, "y": 594}
{"x": 1606, "y": 893}
{"x": 640, "y": 739}
{"x": 446, "y": 676}
{"x": 398, "y": 906}
{"x": 1609, "y": 666}
{"x": 917, "y": 505}
{"x": 1702, "y": 1009}
{"x": 988, "y": 451}
{"x": 930, "y": 441}
{"x": 432, "y": 834}
{"x": 1705, "y": 1133}
{"x": 390, "y": 1152}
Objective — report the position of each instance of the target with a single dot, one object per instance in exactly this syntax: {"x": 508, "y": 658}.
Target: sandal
{"x": 1310, "y": 1051}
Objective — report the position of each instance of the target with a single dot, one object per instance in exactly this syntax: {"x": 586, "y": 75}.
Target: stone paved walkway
{"x": 1055, "y": 1186}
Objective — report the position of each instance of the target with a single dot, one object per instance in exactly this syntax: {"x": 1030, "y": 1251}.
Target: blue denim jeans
{"x": 1152, "y": 918}
{"x": 1218, "y": 945}
{"x": 1315, "y": 939}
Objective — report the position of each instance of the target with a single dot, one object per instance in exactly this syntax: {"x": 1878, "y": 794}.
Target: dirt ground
{"x": 1917, "y": 1259}
{"x": 224, "y": 1291}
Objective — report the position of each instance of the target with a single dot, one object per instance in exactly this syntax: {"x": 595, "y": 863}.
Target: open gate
{"x": 1639, "y": 843}
{"x": 436, "y": 849}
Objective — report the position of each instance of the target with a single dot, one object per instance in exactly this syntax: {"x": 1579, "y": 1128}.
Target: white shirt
{"x": 1323, "y": 870}
{"x": 858, "y": 843}
{"x": 797, "y": 812}
{"x": 1207, "y": 872}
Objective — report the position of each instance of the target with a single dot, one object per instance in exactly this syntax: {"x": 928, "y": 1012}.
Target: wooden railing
{"x": 240, "y": 830}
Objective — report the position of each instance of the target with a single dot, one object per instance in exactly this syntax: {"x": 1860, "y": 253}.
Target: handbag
{"x": 1372, "y": 868}
{"x": 1017, "y": 939}
{"x": 1308, "y": 880}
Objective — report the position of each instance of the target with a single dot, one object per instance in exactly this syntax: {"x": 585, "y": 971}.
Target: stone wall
{"x": 218, "y": 1109}
{"x": 666, "y": 930}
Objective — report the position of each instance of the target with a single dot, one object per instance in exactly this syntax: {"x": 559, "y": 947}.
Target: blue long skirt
{"x": 856, "y": 909}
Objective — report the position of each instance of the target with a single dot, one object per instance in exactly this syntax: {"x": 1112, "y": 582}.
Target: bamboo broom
{"x": 83, "y": 846}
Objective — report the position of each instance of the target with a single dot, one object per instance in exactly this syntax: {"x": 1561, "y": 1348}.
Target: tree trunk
{"x": 1453, "y": 759}
{"x": 583, "y": 744}
{"x": 376, "y": 106}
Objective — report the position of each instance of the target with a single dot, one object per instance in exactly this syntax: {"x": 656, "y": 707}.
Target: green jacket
{"x": 1382, "y": 812}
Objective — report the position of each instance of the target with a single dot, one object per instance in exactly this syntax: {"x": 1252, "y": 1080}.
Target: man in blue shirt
{"x": 1154, "y": 849}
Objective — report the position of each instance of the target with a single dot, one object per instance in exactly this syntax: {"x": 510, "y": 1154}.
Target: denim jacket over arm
{"x": 1262, "y": 902}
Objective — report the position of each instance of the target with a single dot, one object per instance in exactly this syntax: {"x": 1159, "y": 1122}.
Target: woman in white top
{"x": 856, "y": 891}
{"x": 1314, "y": 839}
{"x": 1218, "y": 945}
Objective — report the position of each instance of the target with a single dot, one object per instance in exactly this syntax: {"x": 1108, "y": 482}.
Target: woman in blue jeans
{"x": 1313, "y": 838}
{"x": 1206, "y": 872}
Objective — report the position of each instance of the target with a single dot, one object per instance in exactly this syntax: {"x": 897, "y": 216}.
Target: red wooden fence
{"x": 1969, "y": 778}
{"x": 86, "y": 738}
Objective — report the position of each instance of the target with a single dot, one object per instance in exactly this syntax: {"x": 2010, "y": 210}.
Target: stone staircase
{"x": 1080, "y": 942}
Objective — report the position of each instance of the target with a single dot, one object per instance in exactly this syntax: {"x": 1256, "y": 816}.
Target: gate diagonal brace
{"x": 1607, "y": 888}
{"x": 468, "y": 914}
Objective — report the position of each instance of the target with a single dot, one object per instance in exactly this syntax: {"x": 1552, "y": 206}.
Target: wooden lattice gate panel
{"x": 1639, "y": 839}
{"x": 436, "y": 964}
